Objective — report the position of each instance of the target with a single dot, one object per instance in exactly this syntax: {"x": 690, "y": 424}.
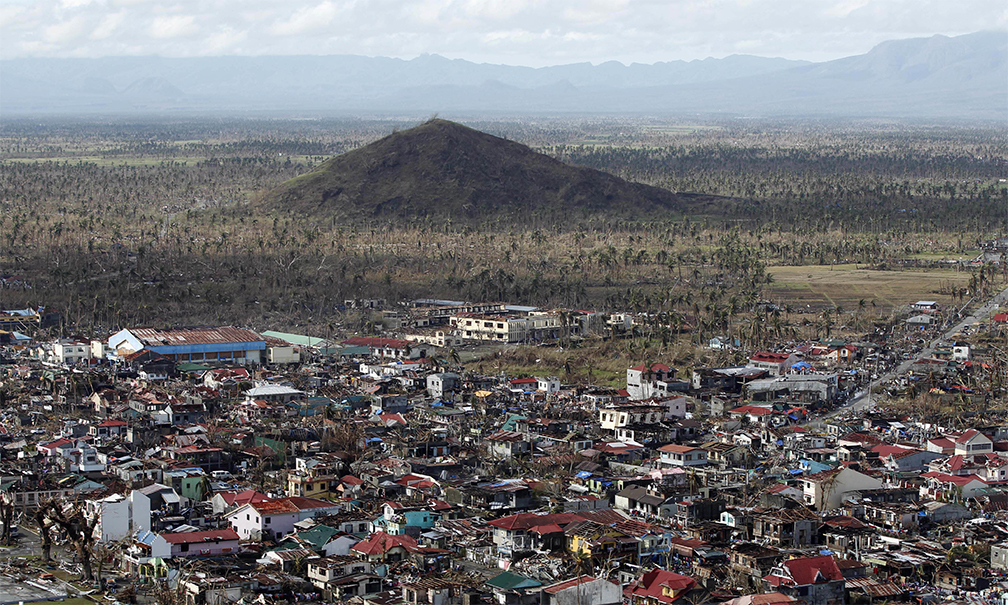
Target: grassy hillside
{"x": 443, "y": 170}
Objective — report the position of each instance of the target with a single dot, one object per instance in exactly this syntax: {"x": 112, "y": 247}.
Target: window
{"x": 267, "y": 520}
{"x": 184, "y": 548}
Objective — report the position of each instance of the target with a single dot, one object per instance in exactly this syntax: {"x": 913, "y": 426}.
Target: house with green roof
{"x": 323, "y": 539}
{"x": 513, "y": 589}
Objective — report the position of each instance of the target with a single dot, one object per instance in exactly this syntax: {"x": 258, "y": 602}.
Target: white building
{"x": 274, "y": 393}
{"x": 777, "y": 364}
{"x": 436, "y": 337}
{"x": 973, "y": 442}
{"x": 264, "y": 520}
{"x": 826, "y": 490}
{"x": 491, "y": 327}
{"x": 550, "y": 384}
{"x": 282, "y": 354}
{"x": 682, "y": 455}
{"x": 70, "y": 352}
{"x": 616, "y": 417}
{"x": 154, "y": 497}
{"x": 114, "y": 519}
{"x": 443, "y": 384}
{"x": 645, "y": 382}
{"x": 584, "y": 590}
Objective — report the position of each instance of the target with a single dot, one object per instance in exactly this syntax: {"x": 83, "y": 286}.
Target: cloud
{"x": 65, "y": 31}
{"x": 845, "y": 8}
{"x": 224, "y": 40}
{"x": 177, "y": 26}
{"x": 107, "y": 25}
{"x": 8, "y": 13}
{"x": 306, "y": 20}
{"x": 521, "y": 32}
{"x": 494, "y": 9}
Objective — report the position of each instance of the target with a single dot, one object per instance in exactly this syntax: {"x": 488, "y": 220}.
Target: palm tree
{"x": 827, "y": 322}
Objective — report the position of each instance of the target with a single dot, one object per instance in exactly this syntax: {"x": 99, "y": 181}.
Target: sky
{"x": 515, "y": 32}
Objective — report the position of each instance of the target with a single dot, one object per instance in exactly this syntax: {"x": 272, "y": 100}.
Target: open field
{"x": 822, "y": 286}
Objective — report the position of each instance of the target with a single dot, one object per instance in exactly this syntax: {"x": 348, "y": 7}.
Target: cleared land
{"x": 825, "y": 286}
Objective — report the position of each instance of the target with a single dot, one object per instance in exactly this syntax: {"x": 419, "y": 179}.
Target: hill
{"x": 442, "y": 169}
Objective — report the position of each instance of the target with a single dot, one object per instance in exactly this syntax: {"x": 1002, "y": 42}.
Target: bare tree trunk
{"x": 7, "y": 518}
{"x": 43, "y": 528}
{"x": 84, "y": 552}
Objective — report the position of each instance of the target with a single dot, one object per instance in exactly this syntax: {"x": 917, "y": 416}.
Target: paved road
{"x": 28, "y": 545}
{"x": 861, "y": 400}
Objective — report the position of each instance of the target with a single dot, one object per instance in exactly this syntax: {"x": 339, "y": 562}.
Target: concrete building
{"x": 682, "y": 455}
{"x": 645, "y": 382}
{"x": 777, "y": 364}
{"x": 826, "y": 490}
{"x": 809, "y": 388}
{"x": 443, "y": 385}
{"x": 114, "y": 517}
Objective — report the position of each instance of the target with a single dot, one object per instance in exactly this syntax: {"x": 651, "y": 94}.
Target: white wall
{"x": 141, "y": 511}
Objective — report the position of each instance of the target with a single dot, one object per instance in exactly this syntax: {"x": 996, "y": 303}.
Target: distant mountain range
{"x": 442, "y": 170}
{"x": 964, "y": 77}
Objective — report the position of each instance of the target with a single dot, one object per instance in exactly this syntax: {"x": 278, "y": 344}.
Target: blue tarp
{"x": 583, "y": 474}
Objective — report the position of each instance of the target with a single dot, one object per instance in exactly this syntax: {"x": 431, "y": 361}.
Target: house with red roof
{"x": 950, "y": 488}
{"x": 526, "y": 532}
{"x": 274, "y": 519}
{"x": 904, "y": 459}
{"x": 973, "y": 442}
{"x": 57, "y": 447}
{"x": 658, "y": 586}
{"x": 682, "y": 455}
{"x": 770, "y": 598}
{"x": 842, "y": 354}
{"x": 941, "y": 445}
{"x": 645, "y": 382}
{"x": 813, "y": 580}
{"x": 381, "y": 547}
{"x": 108, "y": 429}
{"x": 226, "y": 501}
{"x": 211, "y": 543}
{"x": 777, "y": 364}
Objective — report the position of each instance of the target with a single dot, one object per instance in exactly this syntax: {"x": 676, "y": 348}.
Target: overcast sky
{"x": 517, "y": 32}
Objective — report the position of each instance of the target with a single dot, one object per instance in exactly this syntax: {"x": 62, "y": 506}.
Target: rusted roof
{"x": 153, "y": 337}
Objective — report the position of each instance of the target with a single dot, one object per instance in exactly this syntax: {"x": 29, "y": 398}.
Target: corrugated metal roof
{"x": 153, "y": 337}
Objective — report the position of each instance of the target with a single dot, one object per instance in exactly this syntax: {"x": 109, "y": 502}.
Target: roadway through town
{"x": 861, "y": 399}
